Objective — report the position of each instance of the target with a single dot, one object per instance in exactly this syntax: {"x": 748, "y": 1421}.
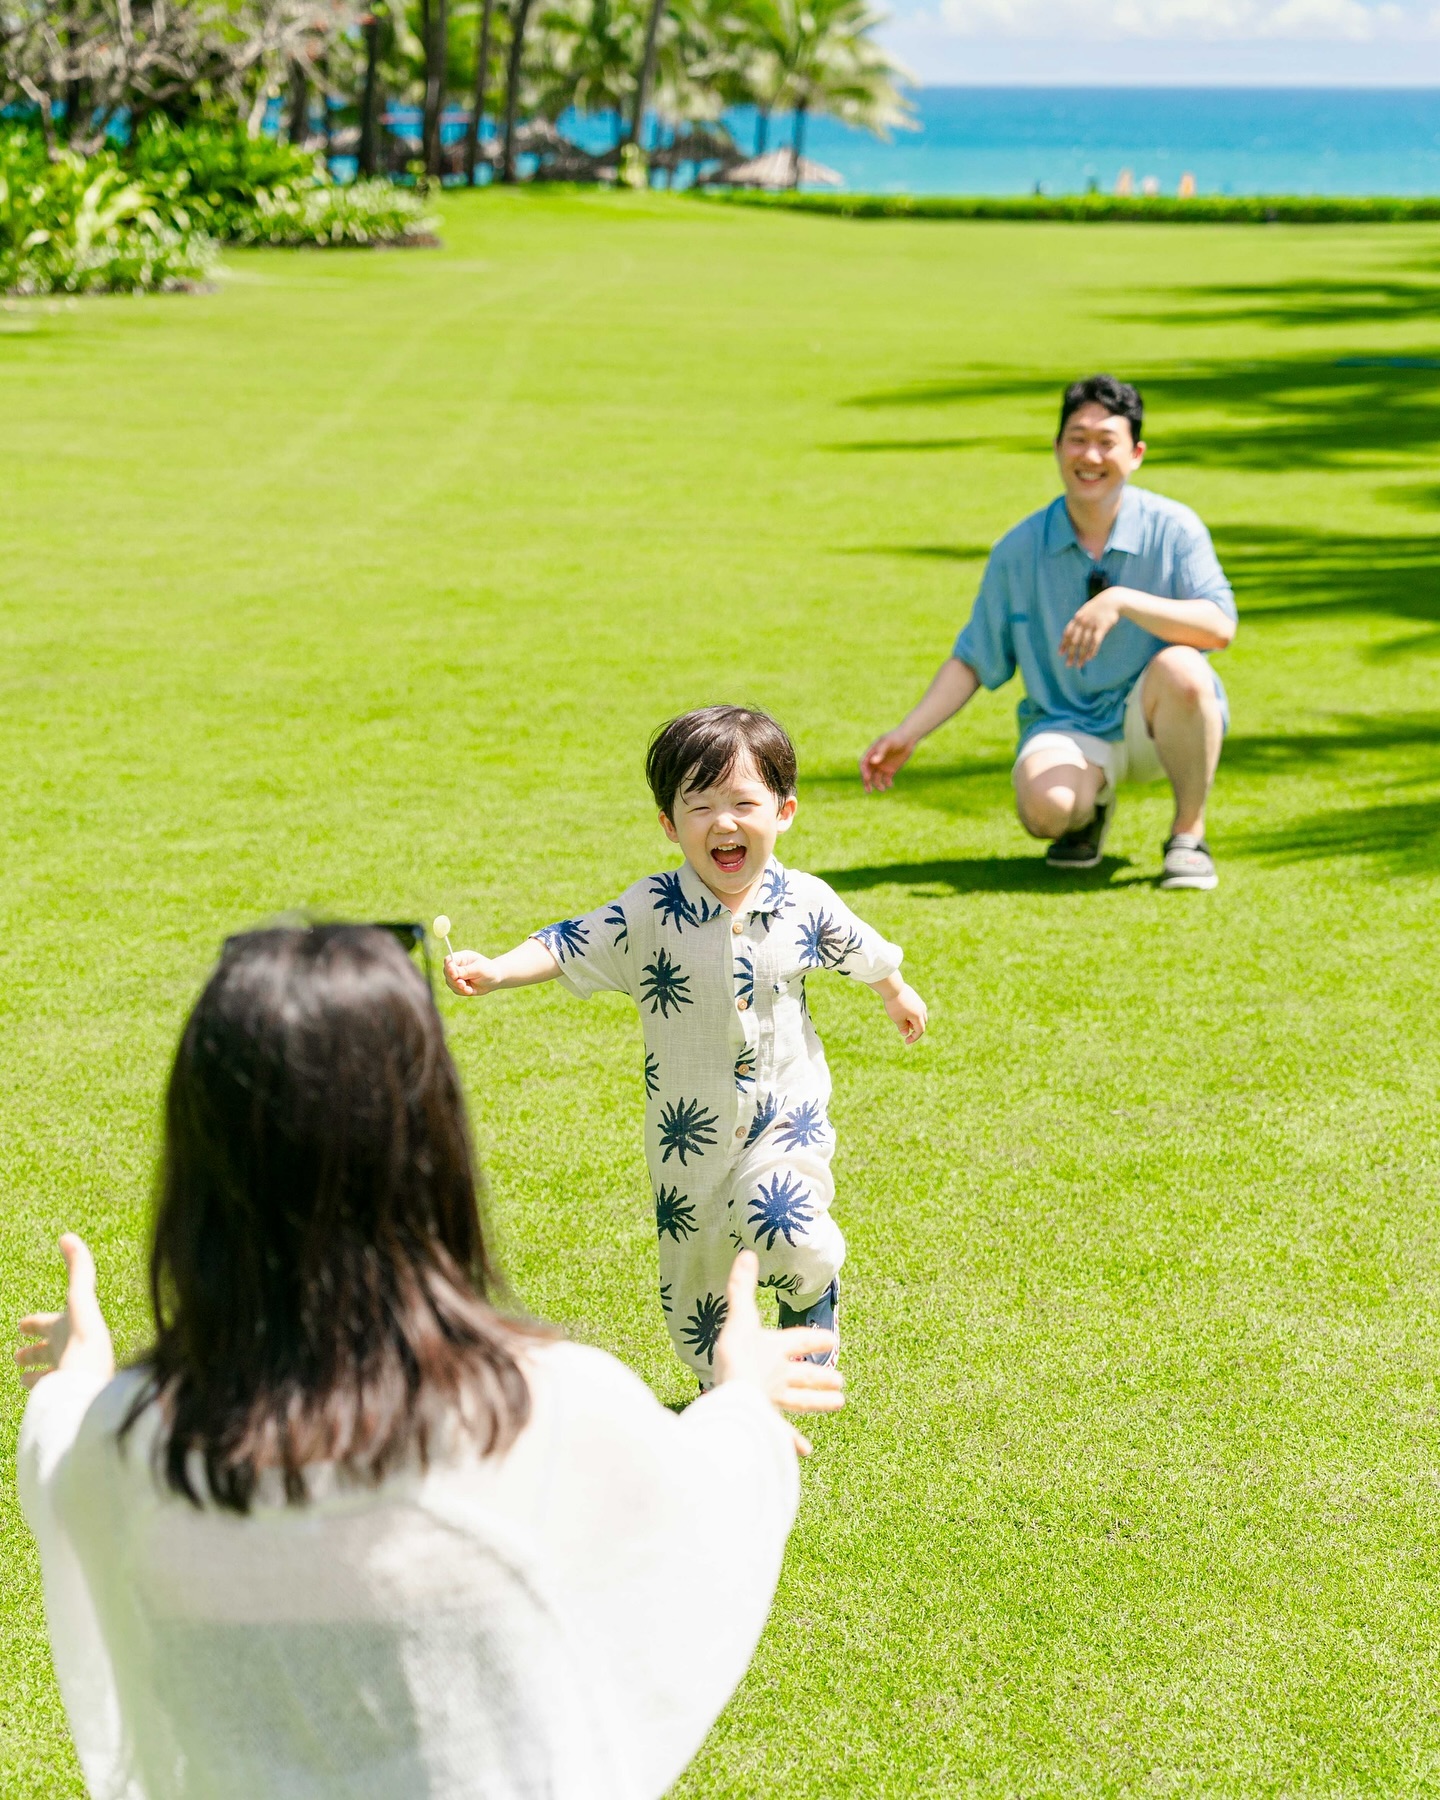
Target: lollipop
{"x": 441, "y": 928}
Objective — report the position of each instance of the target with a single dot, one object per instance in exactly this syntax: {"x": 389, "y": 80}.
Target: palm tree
{"x": 435, "y": 30}
{"x": 482, "y": 81}
{"x": 819, "y": 56}
{"x": 519, "y": 18}
{"x": 591, "y": 50}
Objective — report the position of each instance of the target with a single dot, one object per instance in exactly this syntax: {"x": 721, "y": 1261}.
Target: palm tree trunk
{"x": 297, "y": 128}
{"x": 797, "y": 144}
{"x": 512, "y": 87}
{"x": 647, "y": 71}
{"x": 437, "y": 43}
{"x": 365, "y": 157}
{"x": 477, "y": 106}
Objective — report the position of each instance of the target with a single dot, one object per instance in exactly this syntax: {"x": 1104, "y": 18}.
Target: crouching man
{"x": 1107, "y": 602}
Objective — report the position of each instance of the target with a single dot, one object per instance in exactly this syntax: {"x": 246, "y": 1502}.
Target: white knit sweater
{"x": 564, "y": 1621}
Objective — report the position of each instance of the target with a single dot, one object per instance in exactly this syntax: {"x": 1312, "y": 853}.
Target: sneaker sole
{"x": 1203, "y": 882}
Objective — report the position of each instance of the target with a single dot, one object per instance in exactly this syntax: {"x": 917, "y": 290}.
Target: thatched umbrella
{"x": 776, "y": 169}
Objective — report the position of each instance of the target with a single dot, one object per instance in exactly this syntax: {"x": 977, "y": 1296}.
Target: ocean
{"x": 994, "y": 140}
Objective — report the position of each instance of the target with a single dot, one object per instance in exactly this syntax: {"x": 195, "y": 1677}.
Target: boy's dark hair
{"x": 700, "y": 748}
{"x": 1118, "y": 398}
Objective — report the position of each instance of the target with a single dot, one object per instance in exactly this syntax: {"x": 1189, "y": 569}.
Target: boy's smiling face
{"x": 727, "y": 832}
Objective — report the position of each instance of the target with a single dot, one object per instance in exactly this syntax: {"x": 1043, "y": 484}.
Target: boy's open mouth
{"x": 730, "y": 858}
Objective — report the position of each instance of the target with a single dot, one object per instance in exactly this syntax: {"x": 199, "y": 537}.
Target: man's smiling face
{"x": 728, "y": 831}
{"x": 1097, "y": 455}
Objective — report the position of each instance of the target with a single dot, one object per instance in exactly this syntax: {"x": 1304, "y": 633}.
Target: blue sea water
{"x": 994, "y": 140}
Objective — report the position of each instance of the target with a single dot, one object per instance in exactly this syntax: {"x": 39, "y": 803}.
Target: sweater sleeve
{"x": 672, "y": 1530}
{"x": 48, "y": 1435}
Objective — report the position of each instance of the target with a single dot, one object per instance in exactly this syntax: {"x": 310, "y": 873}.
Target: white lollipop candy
{"x": 441, "y": 928}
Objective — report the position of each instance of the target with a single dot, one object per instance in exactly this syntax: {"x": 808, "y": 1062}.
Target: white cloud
{"x": 1334, "y": 21}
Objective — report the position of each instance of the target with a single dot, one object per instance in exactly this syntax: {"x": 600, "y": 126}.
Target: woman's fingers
{"x": 38, "y": 1324}
{"x": 807, "y": 1340}
{"x": 740, "y": 1287}
{"x": 82, "y": 1301}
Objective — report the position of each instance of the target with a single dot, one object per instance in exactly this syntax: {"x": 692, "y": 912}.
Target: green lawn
{"x": 359, "y": 585}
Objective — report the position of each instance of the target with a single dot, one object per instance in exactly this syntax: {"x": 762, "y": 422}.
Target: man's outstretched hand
{"x": 76, "y": 1339}
{"x": 884, "y": 759}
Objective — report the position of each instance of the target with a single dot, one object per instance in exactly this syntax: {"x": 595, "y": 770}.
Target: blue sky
{"x": 1196, "y": 42}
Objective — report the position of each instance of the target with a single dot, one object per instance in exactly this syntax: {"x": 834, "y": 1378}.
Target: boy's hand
{"x": 907, "y": 1009}
{"x": 468, "y": 972}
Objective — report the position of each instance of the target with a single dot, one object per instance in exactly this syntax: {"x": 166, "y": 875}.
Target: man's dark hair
{"x": 700, "y": 748}
{"x": 319, "y": 1272}
{"x": 1118, "y": 398}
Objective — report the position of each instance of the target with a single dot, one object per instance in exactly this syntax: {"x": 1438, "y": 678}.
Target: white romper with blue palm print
{"x": 737, "y": 1137}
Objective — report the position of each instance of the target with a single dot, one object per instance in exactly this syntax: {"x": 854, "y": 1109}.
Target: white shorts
{"x": 1133, "y": 758}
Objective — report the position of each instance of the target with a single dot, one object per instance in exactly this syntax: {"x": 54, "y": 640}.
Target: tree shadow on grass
{"x": 1282, "y": 572}
{"x": 1285, "y": 413}
{"x": 966, "y": 789}
{"x": 1367, "y": 300}
{"x": 1360, "y": 735}
{"x": 1399, "y": 837}
{"x": 984, "y": 875}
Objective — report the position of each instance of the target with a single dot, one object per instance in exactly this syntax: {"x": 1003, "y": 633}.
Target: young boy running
{"x": 715, "y": 955}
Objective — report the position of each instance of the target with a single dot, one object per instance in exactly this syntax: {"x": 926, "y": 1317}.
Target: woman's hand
{"x": 77, "y": 1339}
{"x": 774, "y": 1361}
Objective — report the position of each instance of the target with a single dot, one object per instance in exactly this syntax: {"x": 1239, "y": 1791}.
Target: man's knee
{"x": 1180, "y": 676}
{"x": 1048, "y": 814}
{"x": 1056, "y": 796}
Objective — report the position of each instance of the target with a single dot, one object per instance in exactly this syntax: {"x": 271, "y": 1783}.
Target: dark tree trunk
{"x": 325, "y": 130}
{"x": 762, "y": 131}
{"x": 647, "y": 72}
{"x": 436, "y": 48}
{"x": 512, "y": 86}
{"x": 477, "y": 105}
{"x": 366, "y": 155}
{"x": 797, "y": 147}
{"x": 297, "y": 127}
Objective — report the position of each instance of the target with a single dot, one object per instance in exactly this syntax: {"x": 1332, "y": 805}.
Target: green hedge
{"x": 1203, "y": 209}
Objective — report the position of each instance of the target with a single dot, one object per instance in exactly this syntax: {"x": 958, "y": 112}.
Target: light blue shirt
{"x": 1035, "y": 583}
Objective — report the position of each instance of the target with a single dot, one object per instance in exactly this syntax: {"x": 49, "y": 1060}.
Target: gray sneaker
{"x": 1081, "y": 848}
{"x": 1188, "y": 863}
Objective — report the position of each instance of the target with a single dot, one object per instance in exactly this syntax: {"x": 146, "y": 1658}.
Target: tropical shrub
{"x": 76, "y": 226}
{"x": 368, "y": 212}
{"x": 215, "y": 175}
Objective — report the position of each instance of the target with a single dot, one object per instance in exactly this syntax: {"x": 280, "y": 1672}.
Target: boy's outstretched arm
{"x": 904, "y": 1006}
{"x": 468, "y": 972}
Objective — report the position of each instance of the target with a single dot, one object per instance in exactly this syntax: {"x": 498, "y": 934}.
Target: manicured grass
{"x": 359, "y": 584}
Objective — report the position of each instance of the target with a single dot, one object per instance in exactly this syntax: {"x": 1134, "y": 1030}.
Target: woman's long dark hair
{"x": 319, "y": 1272}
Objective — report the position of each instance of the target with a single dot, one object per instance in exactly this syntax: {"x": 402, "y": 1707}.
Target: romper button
{"x": 739, "y": 1131}
{"x": 743, "y": 1005}
{"x": 737, "y": 928}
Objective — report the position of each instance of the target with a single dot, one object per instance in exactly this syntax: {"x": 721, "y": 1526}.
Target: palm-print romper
{"x": 737, "y": 1137}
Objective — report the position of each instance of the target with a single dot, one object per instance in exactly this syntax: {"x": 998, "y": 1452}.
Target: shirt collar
{"x": 1125, "y": 534}
{"x": 705, "y": 903}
